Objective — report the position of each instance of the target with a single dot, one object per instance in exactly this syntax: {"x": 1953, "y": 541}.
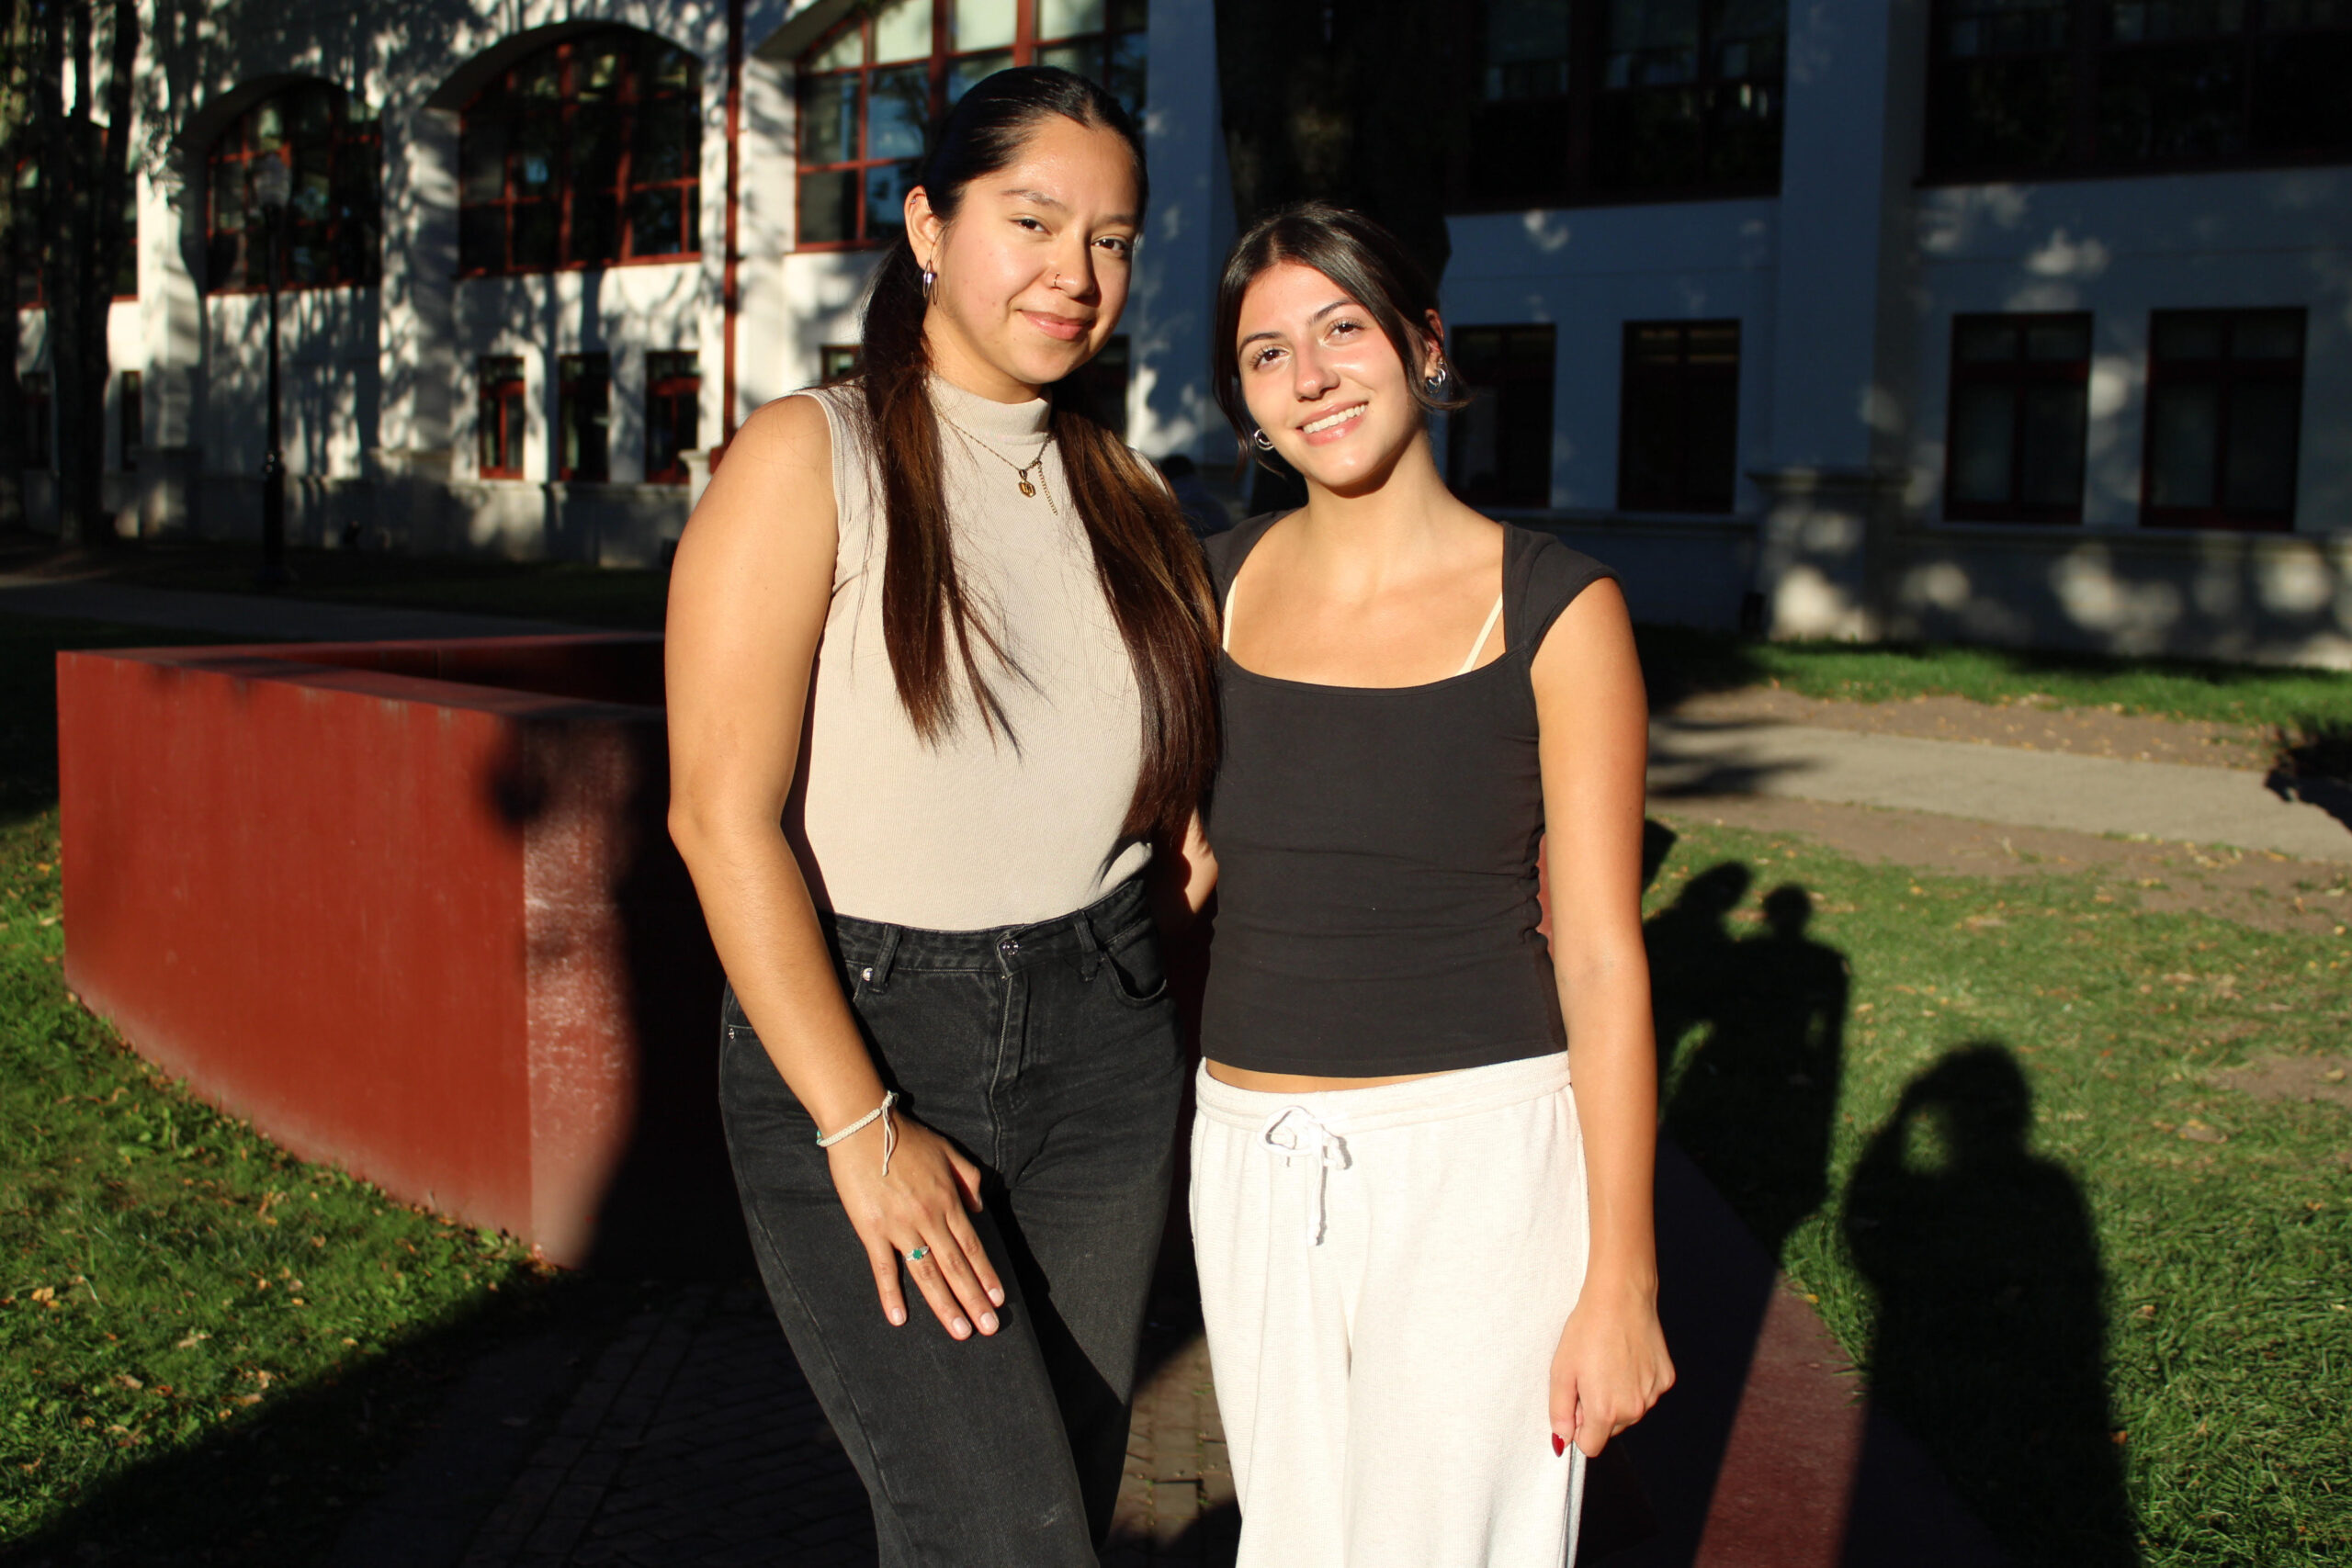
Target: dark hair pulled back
{"x": 1366, "y": 262}
{"x": 1152, "y": 572}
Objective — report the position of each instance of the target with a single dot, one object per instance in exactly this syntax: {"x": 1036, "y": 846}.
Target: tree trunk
{"x": 1362, "y": 103}
{"x": 16, "y": 101}
{"x": 86, "y": 171}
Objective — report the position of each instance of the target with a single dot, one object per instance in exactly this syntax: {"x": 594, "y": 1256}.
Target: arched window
{"x": 586, "y": 153}
{"x": 332, "y": 232}
{"x": 872, "y": 86}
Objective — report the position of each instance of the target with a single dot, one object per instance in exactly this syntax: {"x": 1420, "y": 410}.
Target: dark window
{"x": 1498, "y": 450}
{"x": 2021, "y": 86}
{"x": 499, "y": 423}
{"x": 873, "y": 88}
{"x": 2225, "y": 411}
{"x": 1596, "y": 100}
{"x": 838, "y": 362}
{"x": 1677, "y": 440}
{"x": 32, "y": 391}
{"x": 672, "y": 415}
{"x": 2020, "y": 404}
{"x": 32, "y": 236}
{"x": 131, "y": 412}
{"x": 1098, "y": 389}
{"x": 332, "y": 231}
{"x": 587, "y": 154}
{"x": 583, "y": 417}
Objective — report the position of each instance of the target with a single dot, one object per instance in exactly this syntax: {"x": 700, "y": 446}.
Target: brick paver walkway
{"x": 694, "y": 1440}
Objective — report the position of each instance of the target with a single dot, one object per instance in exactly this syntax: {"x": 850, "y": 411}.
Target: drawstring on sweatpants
{"x": 1308, "y": 1137}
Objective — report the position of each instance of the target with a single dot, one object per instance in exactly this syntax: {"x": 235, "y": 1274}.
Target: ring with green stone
{"x": 918, "y": 1255}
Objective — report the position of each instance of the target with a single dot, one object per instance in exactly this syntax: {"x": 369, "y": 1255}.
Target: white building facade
{"x": 2015, "y": 321}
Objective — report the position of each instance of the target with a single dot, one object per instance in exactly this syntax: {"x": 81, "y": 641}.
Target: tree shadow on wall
{"x": 1990, "y": 1341}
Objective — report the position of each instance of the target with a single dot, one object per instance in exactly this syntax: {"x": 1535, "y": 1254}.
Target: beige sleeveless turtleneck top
{"x": 979, "y": 830}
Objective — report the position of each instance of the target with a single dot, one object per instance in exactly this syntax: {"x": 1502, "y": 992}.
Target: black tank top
{"x": 1375, "y": 851}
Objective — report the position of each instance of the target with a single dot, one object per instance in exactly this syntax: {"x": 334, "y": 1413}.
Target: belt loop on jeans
{"x": 877, "y": 975}
{"x": 1090, "y": 960}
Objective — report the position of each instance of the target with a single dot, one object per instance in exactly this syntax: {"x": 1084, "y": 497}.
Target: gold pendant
{"x": 1028, "y": 489}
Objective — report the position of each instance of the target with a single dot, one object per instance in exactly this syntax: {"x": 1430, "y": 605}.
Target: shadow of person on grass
{"x": 1990, "y": 1343}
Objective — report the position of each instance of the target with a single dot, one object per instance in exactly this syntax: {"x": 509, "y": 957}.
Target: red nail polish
{"x": 1559, "y": 1445}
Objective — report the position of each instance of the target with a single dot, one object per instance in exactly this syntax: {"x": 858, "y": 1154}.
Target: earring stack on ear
{"x": 1435, "y": 381}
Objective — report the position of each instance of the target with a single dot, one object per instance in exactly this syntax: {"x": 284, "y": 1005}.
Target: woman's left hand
{"x": 1611, "y": 1366}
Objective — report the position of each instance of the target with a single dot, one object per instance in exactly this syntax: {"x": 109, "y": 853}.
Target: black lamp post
{"x": 272, "y": 183}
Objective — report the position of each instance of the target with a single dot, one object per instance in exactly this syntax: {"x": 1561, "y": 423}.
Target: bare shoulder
{"x": 1588, "y": 652}
{"x": 791, "y": 433}
{"x": 766, "y": 527}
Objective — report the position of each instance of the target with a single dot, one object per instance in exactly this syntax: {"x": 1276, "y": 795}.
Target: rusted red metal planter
{"x": 409, "y": 909}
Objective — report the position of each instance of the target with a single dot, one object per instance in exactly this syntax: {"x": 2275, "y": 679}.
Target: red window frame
{"x": 2229, "y": 373}
{"x": 331, "y": 235}
{"x": 501, "y": 415}
{"x": 1681, "y": 380}
{"x": 583, "y": 418}
{"x": 673, "y": 414}
{"x": 1112, "y": 54}
{"x": 2019, "y": 374}
{"x": 618, "y": 87}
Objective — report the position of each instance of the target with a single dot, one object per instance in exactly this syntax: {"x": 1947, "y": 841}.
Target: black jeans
{"x": 1049, "y": 1055}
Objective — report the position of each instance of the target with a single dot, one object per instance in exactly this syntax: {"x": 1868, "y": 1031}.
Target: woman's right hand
{"x": 923, "y": 1202}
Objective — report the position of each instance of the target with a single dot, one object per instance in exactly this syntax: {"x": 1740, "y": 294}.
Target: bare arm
{"x": 1594, "y": 720}
{"x": 748, "y": 600}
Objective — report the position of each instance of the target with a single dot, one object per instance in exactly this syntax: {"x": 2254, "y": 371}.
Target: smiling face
{"x": 1324, "y": 382}
{"x": 1035, "y": 266}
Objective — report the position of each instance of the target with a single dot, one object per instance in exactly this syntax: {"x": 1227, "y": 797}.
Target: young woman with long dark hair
{"x": 940, "y": 666}
{"x": 1426, "y": 1262}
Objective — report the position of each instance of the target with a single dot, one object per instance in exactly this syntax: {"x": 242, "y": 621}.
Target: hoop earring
{"x": 1263, "y": 442}
{"x": 1436, "y": 379}
{"x": 929, "y": 277}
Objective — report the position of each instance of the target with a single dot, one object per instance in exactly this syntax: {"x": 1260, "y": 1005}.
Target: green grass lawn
{"x": 2294, "y": 702}
{"x": 1973, "y": 1118}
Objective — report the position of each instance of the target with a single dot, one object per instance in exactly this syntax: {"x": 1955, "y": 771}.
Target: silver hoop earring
{"x": 1435, "y": 381}
{"x": 1263, "y": 442}
{"x": 929, "y": 277}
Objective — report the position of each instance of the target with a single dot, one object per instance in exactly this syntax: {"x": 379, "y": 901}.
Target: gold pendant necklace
{"x": 1021, "y": 471}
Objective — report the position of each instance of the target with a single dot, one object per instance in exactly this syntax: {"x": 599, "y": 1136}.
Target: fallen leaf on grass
{"x": 192, "y": 1340}
{"x": 124, "y": 1379}
{"x": 2196, "y": 1132}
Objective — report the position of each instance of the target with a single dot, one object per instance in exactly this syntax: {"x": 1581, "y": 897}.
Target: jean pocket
{"x": 1136, "y": 968}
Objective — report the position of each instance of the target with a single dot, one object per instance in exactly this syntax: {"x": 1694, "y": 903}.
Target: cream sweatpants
{"x": 1385, "y": 1273}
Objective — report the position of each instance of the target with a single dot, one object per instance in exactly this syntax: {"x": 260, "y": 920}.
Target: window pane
{"x": 2299, "y": 89}
{"x": 985, "y": 23}
{"x": 2181, "y": 102}
{"x": 666, "y": 146}
{"x": 582, "y": 416}
{"x": 2267, "y": 334}
{"x": 1061, "y": 18}
{"x": 2263, "y": 420}
{"x": 482, "y": 162}
{"x": 656, "y": 226}
{"x": 828, "y": 119}
{"x": 1984, "y": 425}
{"x": 597, "y": 68}
{"x": 829, "y": 208}
{"x": 1527, "y": 49}
{"x": 481, "y": 238}
{"x": 535, "y": 235}
{"x": 666, "y": 70}
{"x": 1652, "y": 42}
{"x": 1983, "y": 340}
{"x": 595, "y": 227}
{"x": 1648, "y": 140}
{"x": 845, "y": 49}
{"x": 898, "y": 111}
{"x": 595, "y": 152}
{"x": 2002, "y": 113}
{"x": 2065, "y": 341}
{"x": 886, "y": 200}
{"x": 902, "y": 31}
{"x": 534, "y": 167}
{"x": 1078, "y": 59}
{"x": 2052, "y": 473}
{"x": 971, "y": 68}
{"x": 2186, "y": 337}
{"x": 1126, "y": 74}
{"x": 2184, "y": 433}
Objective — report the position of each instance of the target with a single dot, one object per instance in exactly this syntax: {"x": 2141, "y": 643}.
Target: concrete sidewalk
{"x": 2000, "y": 784}
{"x": 259, "y": 617}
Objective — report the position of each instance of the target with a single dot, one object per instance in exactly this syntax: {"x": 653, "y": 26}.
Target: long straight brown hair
{"x": 1152, "y": 570}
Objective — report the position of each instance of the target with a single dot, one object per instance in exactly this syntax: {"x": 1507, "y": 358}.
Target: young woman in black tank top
{"x": 1427, "y": 1263}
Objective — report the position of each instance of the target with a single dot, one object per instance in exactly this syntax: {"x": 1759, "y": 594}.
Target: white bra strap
{"x": 1226, "y": 642}
{"x": 1484, "y": 633}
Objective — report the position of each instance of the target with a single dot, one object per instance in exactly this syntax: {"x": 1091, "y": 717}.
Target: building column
{"x": 1169, "y": 317}
{"x": 1844, "y": 320}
